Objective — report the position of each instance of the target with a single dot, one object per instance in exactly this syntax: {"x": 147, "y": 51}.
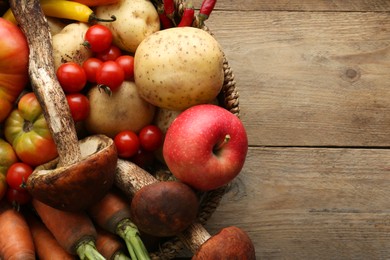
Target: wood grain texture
{"x": 310, "y": 78}
{"x": 309, "y": 203}
{"x": 313, "y": 78}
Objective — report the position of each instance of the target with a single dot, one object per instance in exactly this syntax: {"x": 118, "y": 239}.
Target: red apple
{"x": 205, "y": 147}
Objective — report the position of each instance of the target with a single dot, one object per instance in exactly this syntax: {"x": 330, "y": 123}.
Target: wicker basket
{"x": 209, "y": 201}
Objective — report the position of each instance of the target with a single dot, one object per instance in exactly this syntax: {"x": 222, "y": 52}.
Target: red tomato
{"x": 72, "y": 77}
{"x": 13, "y": 65}
{"x": 79, "y": 106}
{"x": 17, "y": 175}
{"x": 111, "y": 53}
{"x": 18, "y": 197}
{"x": 127, "y": 64}
{"x": 27, "y": 131}
{"x": 91, "y": 66}
{"x": 111, "y": 75}
{"x": 98, "y": 38}
{"x": 150, "y": 137}
{"x": 127, "y": 144}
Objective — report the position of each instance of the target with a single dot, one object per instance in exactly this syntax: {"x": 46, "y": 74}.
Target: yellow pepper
{"x": 63, "y": 9}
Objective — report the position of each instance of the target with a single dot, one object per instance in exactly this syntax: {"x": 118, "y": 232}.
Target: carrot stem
{"x": 130, "y": 234}
{"x": 87, "y": 251}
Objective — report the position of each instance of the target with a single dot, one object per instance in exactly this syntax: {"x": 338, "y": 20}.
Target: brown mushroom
{"x": 83, "y": 172}
{"x": 229, "y": 243}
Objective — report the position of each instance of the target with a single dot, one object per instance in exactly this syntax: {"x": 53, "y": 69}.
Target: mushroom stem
{"x": 29, "y": 15}
{"x": 130, "y": 178}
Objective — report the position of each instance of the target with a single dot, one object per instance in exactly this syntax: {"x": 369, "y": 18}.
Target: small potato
{"x": 135, "y": 20}
{"x": 179, "y": 67}
{"x": 123, "y": 110}
{"x": 68, "y": 45}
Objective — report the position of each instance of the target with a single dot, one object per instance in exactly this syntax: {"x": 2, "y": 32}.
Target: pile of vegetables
{"x": 83, "y": 125}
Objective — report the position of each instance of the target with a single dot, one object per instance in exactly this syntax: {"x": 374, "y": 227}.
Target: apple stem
{"x": 219, "y": 145}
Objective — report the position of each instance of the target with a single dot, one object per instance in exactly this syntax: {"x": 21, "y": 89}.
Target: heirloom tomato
{"x": 7, "y": 158}
{"x": 13, "y": 65}
{"x": 27, "y": 131}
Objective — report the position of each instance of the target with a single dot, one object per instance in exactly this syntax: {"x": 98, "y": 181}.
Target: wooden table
{"x": 314, "y": 84}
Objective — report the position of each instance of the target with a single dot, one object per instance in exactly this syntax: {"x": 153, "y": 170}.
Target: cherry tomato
{"x": 150, "y": 137}
{"x": 72, "y": 77}
{"x": 127, "y": 64}
{"x": 18, "y": 197}
{"x": 127, "y": 144}
{"x": 98, "y": 38}
{"x": 111, "y": 53}
{"x": 111, "y": 75}
{"x": 91, "y": 66}
{"x": 79, "y": 106}
{"x": 17, "y": 175}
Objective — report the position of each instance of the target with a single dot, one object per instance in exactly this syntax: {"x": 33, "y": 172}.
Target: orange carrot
{"x": 109, "y": 245}
{"x": 46, "y": 245}
{"x": 112, "y": 213}
{"x": 15, "y": 238}
{"x": 74, "y": 231}
{"x": 96, "y": 2}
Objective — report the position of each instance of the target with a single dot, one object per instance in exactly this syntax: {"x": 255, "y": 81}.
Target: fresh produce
{"x": 68, "y": 45}
{"x": 184, "y": 71}
{"x": 111, "y": 53}
{"x": 123, "y": 110}
{"x": 90, "y": 66}
{"x": 188, "y": 15}
{"x": 98, "y": 38}
{"x": 17, "y": 175}
{"x": 135, "y": 20}
{"x": 164, "y": 208}
{"x": 150, "y": 138}
{"x": 7, "y": 156}
{"x": 109, "y": 245}
{"x": 83, "y": 171}
{"x": 3, "y": 186}
{"x": 66, "y": 10}
{"x": 126, "y": 143}
{"x": 18, "y": 198}
{"x": 74, "y": 231}
{"x": 127, "y": 64}
{"x": 71, "y": 77}
{"x": 112, "y": 213}
{"x": 130, "y": 179}
{"x": 77, "y": 186}
{"x": 13, "y": 65}
{"x": 79, "y": 106}
{"x": 15, "y": 241}
{"x": 205, "y": 147}
{"x": 27, "y": 131}
{"x": 205, "y": 10}
{"x": 110, "y": 76}
{"x": 46, "y": 246}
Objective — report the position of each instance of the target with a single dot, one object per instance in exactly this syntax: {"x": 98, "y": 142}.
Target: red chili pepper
{"x": 205, "y": 10}
{"x": 169, "y": 7}
{"x": 164, "y": 19}
{"x": 188, "y": 15}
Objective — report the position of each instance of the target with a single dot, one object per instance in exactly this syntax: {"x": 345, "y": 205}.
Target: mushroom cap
{"x": 76, "y": 187}
{"x": 229, "y": 243}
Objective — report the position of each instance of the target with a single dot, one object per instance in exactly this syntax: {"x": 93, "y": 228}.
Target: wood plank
{"x": 309, "y": 203}
{"x": 310, "y": 78}
{"x": 301, "y": 5}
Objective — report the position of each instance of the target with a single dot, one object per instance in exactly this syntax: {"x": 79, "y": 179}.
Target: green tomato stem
{"x": 87, "y": 251}
{"x": 129, "y": 232}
